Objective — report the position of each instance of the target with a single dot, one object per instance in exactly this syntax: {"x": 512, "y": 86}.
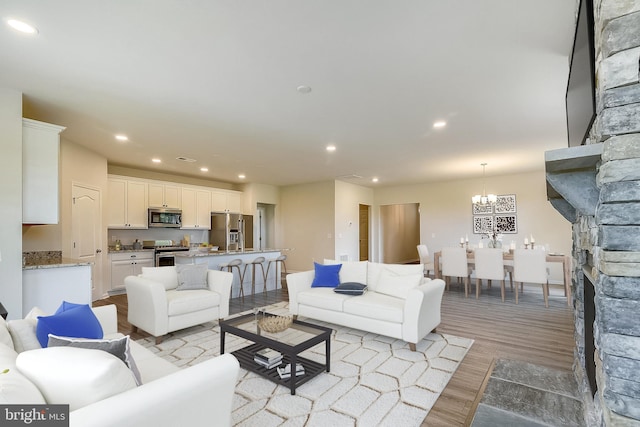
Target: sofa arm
{"x": 298, "y": 282}
{"x": 422, "y": 310}
{"x": 198, "y": 396}
{"x": 108, "y": 317}
{"x": 220, "y": 282}
{"x": 147, "y": 305}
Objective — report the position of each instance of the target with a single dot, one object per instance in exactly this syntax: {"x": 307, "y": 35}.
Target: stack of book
{"x": 285, "y": 371}
{"x": 268, "y": 358}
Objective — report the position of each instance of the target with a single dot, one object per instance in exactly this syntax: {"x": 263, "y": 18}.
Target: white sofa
{"x": 200, "y": 395}
{"x": 399, "y": 302}
{"x": 157, "y": 306}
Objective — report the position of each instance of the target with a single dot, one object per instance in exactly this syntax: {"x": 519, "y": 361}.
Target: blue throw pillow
{"x": 327, "y": 276}
{"x": 76, "y": 322}
{"x": 66, "y": 305}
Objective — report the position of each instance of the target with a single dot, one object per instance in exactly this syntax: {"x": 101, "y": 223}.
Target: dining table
{"x": 508, "y": 257}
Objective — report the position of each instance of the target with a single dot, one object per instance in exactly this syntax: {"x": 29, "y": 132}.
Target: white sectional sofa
{"x": 200, "y": 395}
{"x": 399, "y": 302}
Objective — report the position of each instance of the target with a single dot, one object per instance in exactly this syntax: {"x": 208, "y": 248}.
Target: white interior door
{"x": 86, "y": 232}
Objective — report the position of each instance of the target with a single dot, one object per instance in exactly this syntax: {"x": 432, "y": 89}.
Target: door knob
{"x": 98, "y": 251}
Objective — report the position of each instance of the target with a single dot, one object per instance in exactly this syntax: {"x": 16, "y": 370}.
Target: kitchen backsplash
{"x": 127, "y": 237}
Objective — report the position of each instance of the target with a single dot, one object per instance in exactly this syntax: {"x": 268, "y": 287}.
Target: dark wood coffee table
{"x": 299, "y": 337}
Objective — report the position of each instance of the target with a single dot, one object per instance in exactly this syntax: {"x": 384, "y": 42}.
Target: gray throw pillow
{"x": 119, "y": 347}
{"x": 350, "y": 288}
{"x": 192, "y": 276}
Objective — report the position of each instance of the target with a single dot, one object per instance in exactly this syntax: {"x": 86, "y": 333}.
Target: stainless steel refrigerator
{"x": 231, "y": 231}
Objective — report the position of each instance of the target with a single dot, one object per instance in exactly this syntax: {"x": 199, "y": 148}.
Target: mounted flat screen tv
{"x": 581, "y": 87}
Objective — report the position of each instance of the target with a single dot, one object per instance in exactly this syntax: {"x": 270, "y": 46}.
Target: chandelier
{"x": 484, "y": 199}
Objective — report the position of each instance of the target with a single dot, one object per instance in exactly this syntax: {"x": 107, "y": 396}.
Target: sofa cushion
{"x": 79, "y": 322}
{"x": 351, "y": 271}
{"x": 119, "y": 347}
{"x": 5, "y": 335}
{"x": 75, "y": 376}
{"x": 350, "y": 288}
{"x": 377, "y": 306}
{"x": 396, "y": 285}
{"x": 182, "y": 302}
{"x": 23, "y": 331}
{"x": 192, "y": 276}
{"x": 15, "y": 388}
{"x": 374, "y": 269}
{"x": 168, "y": 276}
{"x": 326, "y": 276}
{"x": 322, "y": 298}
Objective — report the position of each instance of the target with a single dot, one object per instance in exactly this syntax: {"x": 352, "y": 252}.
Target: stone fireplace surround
{"x": 597, "y": 188}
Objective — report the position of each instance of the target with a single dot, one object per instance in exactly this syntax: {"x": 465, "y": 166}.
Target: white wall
{"x": 348, "y": 198}
{"x": 11, "y": 205}
{"x": 445, "y": 211}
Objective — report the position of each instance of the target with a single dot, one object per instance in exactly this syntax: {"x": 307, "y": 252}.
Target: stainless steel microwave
{"x": 166, "y": 218}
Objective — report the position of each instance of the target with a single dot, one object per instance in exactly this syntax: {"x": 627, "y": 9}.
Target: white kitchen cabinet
{"x": 40, "y": 159}
{"x": 196, "y": 208}
{"x": 127, "y": 203}
{"x": 226, "y": 201}
{"x": 128, "y": 264}
{"x": 164, "y": 195}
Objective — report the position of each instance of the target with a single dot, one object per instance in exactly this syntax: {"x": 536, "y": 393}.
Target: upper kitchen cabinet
{"x": 196, "y": 208}
{"x": 40, "y": 168}
{"x": 165, "y": 196}
{"x": 226, "y": 201}
{"x": 127, "y": 203}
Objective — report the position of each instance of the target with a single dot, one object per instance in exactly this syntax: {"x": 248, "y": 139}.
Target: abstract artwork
{"x": 506, "y": 224}
{"x": 482, "y": 209}
{"x": 482, "y": 224}
{"x": 506, "y": 204}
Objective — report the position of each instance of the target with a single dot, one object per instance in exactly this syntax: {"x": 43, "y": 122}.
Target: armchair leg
{"x": 412, "y": 346}
{"x": 134, "y": 329}
{"x": 159, "y": 339}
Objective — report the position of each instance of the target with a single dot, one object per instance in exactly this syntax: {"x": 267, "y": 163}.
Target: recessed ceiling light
{"x": 331, "y": 148}
{"x": 156, "y": 160}
{"x": 374, "y": 179}
{"x": 303, "y": 89}
{"x": 122, "y": 137}
{"x": 22, "y": 26}
{"x": 241, "y": 176}
{"x": 439, "y": 124}
{"x": 204, "y": 169}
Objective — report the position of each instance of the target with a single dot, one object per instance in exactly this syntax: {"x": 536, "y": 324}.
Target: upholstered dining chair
{"x": 454, "y": 264}
{"x": 530, "y": 265}
{"x": 425, "y": 259}
{"x": 489, "y": 266}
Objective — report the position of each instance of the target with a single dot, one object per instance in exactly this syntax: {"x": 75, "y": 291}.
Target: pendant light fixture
{"x": 484, "y": 199}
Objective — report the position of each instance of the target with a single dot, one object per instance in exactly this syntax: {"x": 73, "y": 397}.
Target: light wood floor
{"x": 528, "y": 332}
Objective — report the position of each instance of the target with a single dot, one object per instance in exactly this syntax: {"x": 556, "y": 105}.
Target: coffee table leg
{"x": 292, "y": 378}
{"x": 328, "y": 354}
{"x": 221, "y": 342}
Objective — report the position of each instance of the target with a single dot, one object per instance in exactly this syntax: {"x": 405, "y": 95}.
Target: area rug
{"x": 374, "y": 380}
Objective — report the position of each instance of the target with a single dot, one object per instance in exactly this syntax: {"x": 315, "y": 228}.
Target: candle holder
{"x": 526, "y": 246}
{"x": 466, "y": 245}
{"x": 532, "y": 245}
{"x": 461, "y": 245}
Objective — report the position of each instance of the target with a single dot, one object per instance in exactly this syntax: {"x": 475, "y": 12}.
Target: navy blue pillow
{"x": 351, "y": 288}
{"x": 76, "y": 322}
{"x": 327, "y": 276}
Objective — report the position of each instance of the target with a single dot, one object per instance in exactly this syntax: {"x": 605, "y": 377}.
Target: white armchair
{"x": 158, "y": 307}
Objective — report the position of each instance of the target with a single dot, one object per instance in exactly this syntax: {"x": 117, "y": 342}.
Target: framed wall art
{"x": 482, "y": 209}
{"x": 482, "y": 224}
{"x": 506, "y": 204}
{"x": 506, "y": 224}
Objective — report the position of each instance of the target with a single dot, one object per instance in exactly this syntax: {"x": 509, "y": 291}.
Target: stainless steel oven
{"x": 164, "y": 251}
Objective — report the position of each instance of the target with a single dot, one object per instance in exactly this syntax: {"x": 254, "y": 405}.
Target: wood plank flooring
{"x": 528, "y": 332}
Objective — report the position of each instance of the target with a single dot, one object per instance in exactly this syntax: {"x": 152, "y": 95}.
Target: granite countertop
{"x": 127, "y": 249}
{"x": 54, "y": 263}
{"x": 198, "y": 253}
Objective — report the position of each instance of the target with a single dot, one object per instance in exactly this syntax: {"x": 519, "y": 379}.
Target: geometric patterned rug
{"x": 374, "y": 380}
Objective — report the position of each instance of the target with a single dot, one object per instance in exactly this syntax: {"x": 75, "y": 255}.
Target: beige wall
{"x": 306, "y": 224}
{"x": 445, "y": 211}
{"x": 11, "y": 205}
{"x": 348, "y": 198}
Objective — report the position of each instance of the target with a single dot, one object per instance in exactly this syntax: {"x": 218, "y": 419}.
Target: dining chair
{"x": 454, "y": 264}
{"x": 531, "y": 266}
{"x": 423, "y": 254}
{"x": 489, "y": 266}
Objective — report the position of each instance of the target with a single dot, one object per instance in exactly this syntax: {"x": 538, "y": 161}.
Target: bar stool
{"x": 229, "y": 266}
{"x": 252, "y": 264}
{"x": 280, "y": 259}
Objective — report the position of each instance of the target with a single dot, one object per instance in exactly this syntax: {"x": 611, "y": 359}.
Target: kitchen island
{"x": 214, "y": 258}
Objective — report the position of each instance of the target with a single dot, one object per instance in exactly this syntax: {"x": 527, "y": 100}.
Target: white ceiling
{"x": 216, "y": 81}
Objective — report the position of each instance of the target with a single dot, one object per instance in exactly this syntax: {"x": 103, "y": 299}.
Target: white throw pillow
{"x": 75, "y": 376}
{"x": 165, "y": 275}
{"x": 351, "y": 271}
{"x": 396, "y": 285}
{"x": 5, "y": 335}
{"x": 15, "y": 388}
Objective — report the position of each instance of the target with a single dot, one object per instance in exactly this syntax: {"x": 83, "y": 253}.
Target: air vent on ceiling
{"x": 185, "y": 159}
